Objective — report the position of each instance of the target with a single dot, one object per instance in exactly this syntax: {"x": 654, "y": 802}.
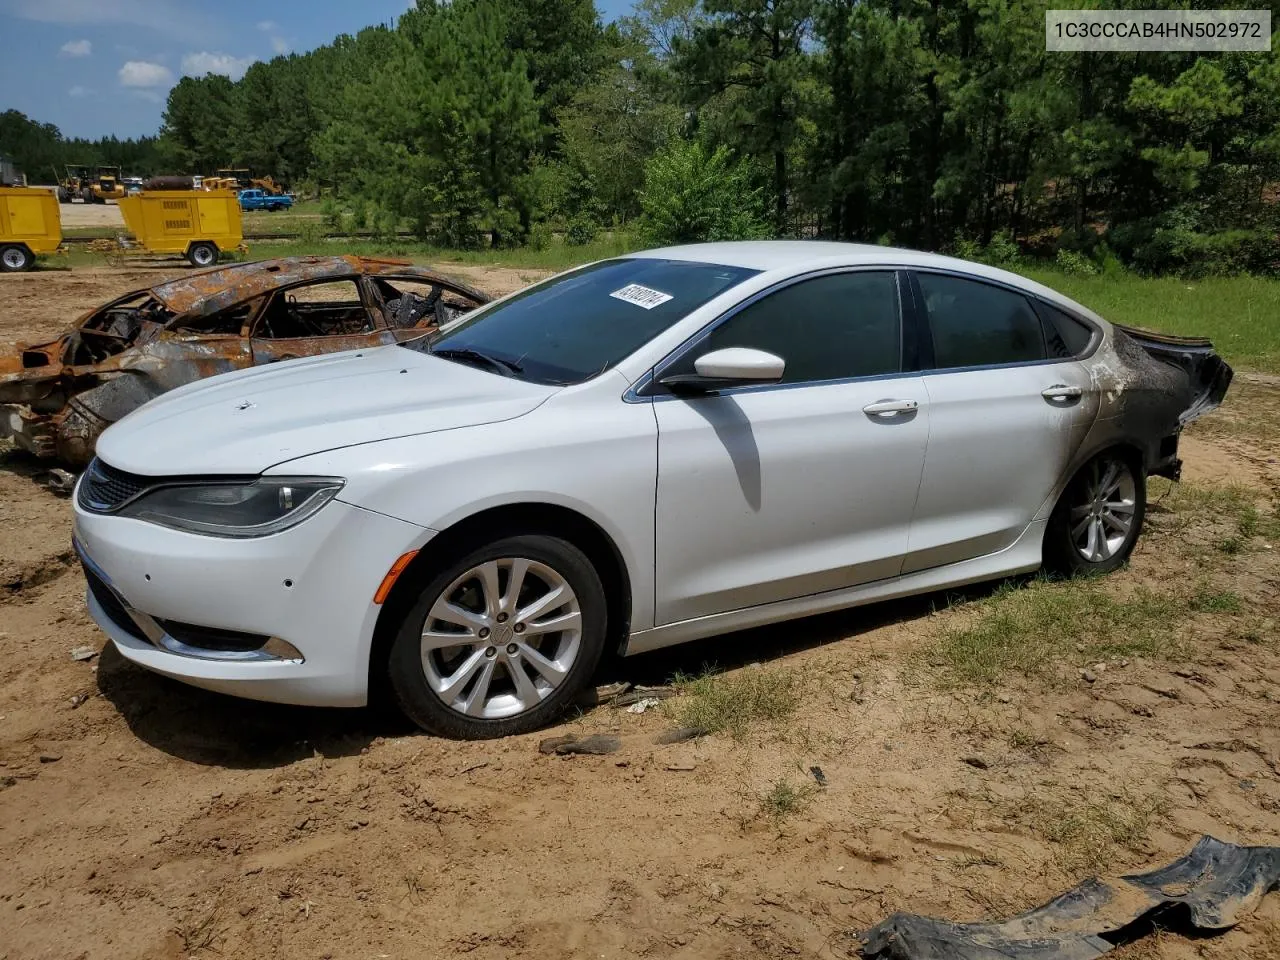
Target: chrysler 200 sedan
{"x": 639, "y": 452}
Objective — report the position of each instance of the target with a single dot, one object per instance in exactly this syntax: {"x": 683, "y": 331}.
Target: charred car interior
{"x": 57, "y": 397}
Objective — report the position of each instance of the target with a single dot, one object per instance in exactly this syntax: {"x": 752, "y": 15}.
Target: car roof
{"x": 794, "y": 257}
{"x": 209, "y": 291}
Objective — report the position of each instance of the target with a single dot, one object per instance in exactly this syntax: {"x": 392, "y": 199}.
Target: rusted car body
{"x": 57, "y": 397}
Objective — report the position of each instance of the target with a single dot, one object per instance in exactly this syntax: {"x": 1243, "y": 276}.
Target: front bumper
{"x": 307, "y": 591}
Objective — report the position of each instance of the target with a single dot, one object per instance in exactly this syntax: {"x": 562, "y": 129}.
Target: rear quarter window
{"x": 1067, "y": 336}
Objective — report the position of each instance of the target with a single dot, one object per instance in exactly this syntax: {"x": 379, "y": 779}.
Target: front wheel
{"x": 500, "y": 641}
{"x": 202, "y": 255}
{"x": 1096, "y": 523}
{"x": 15, "y": 259}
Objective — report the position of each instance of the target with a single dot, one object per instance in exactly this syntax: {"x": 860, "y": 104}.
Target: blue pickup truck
{"x": 261, "y": 200}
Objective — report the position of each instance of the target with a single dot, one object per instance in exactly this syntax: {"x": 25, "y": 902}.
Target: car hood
{"x": 244, "y": 422}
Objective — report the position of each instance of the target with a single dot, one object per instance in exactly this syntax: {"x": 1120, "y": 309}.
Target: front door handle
{"x": 1060, "y": 391}
{"x": 889, "y": 408}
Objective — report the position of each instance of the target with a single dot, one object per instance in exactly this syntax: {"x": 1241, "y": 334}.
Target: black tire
{"x": 15, "y": 258}
{"x": 202, "y": 254}
{"x": 64, "y": 195}
{"x": 1065, "y": 547}
{"x": 407, "y": 674}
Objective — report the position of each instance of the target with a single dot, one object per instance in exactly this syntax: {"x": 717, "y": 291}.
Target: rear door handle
{"x": 1060, "y": 391}
{"x": 888, "y": 408}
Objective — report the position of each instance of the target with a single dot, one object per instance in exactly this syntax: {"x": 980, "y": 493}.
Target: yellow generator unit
{"x": 197, "y": 224}
{"x": 30, "y": 223}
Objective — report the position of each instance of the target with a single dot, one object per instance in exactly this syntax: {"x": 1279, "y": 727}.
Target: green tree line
{"x": 941, "y": 124}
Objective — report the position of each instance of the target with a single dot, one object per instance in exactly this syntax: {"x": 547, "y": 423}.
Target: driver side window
{"x": 325, "y": 309}
{"x": 833, "y": 327}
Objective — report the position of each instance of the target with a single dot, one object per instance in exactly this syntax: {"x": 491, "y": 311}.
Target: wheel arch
{"x": 1131, "y": 447}
{"x": 504, "y": 520}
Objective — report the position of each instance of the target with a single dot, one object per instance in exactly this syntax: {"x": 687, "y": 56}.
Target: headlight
{"x": 254, "y": 509}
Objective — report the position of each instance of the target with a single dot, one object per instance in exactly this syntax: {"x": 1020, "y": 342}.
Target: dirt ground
{"x": 143, "y": 819}
{"x": 91, "y": 215}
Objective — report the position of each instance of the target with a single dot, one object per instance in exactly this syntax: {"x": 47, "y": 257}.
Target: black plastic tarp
{"x": 1209, "y": 889}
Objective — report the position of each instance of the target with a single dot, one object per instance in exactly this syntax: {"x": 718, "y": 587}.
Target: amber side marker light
{"x": 389, "y": 581}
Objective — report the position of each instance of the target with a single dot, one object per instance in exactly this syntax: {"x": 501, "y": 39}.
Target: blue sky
{"x": 97, "y": 67}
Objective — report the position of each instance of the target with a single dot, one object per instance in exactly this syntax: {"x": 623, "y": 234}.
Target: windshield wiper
{"x": 475, "y": 357}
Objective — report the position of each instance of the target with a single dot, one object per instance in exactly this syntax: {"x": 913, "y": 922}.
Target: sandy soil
{"x": 140, "y": 818}
{"x": 91, "y": 215}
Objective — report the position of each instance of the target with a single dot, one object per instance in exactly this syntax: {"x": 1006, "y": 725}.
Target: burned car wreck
{"x": 57, "y": 397}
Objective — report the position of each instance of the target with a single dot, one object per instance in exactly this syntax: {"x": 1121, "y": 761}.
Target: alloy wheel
{"x": 501, "y": 638}
{"x": 1102, "y": 518}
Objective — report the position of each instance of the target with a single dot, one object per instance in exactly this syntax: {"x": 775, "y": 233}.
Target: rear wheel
{"x": 14, "y": 259}
{"x": 1098, "y": 519}
{"x": 202, "y": 254}
{"x": 500, "y": 641}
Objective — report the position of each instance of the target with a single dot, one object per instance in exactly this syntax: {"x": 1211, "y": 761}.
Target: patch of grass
{"x": 784, "y": 800}
{"x": 1087, "y": 831}
{"x": 735, "y": 703}
{"x": 1230, "y": 545}
{"x": 1208, "y": 600}
{"x": 1237, "y": 313}
{"x": 1032, "y": 628}
{"x": 1019, "y": 739}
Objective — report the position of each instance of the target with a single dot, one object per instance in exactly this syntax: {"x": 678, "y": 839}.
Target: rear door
{"x": 325, "y": 316}
{"x": 1008, "y": 403}
{"x": 766, "y": 493}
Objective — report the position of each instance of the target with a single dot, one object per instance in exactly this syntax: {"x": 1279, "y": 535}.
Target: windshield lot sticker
{"x": 641, "y": 296}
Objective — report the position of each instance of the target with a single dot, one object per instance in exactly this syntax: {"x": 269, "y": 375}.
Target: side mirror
{"x": 730, "y": 367}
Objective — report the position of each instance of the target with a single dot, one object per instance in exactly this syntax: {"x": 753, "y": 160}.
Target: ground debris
{"x": 1217, "y": 884}
{"x": 643, "y": 693}
{"x": 640, "y": 706}
{"x": 596, "y": 744}
{"x": 83, "y": 654}
{"x": 680, "y": 735}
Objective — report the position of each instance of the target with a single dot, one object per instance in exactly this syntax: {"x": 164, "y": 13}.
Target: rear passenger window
{"x": 1067, "y": 336}
{"x": 828, "y": 328}
{"x": 976, "y": 324}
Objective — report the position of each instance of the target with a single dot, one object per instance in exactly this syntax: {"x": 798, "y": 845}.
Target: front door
{"x": 1007, "y": 405}
{"x": 326, "y": 316}
{"x": 773, "y": 492}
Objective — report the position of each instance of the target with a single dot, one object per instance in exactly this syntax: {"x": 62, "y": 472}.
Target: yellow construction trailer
{"x": 30, "y": 223}
{"x": 198, "y": 224}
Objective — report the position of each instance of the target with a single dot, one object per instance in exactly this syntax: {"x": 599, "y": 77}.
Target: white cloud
{"x": 198, "y": 64}
{"x": 77, "y": 48}
{"x": 180, "y": 19}
{"x": 280, "y": 45}
{"x": 266, "y": 26}
{"x": 144, "y": 74}
{"x": 79, "y": 91}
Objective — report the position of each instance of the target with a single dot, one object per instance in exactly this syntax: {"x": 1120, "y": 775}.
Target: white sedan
{"x": 636, "y": 453}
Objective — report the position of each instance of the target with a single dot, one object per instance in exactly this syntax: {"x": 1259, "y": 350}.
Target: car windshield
{"x": 571, "y": 328}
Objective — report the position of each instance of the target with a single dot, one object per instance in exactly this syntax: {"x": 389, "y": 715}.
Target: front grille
{"x": 111, "y": 605}
{"x": 104, "y": 488}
